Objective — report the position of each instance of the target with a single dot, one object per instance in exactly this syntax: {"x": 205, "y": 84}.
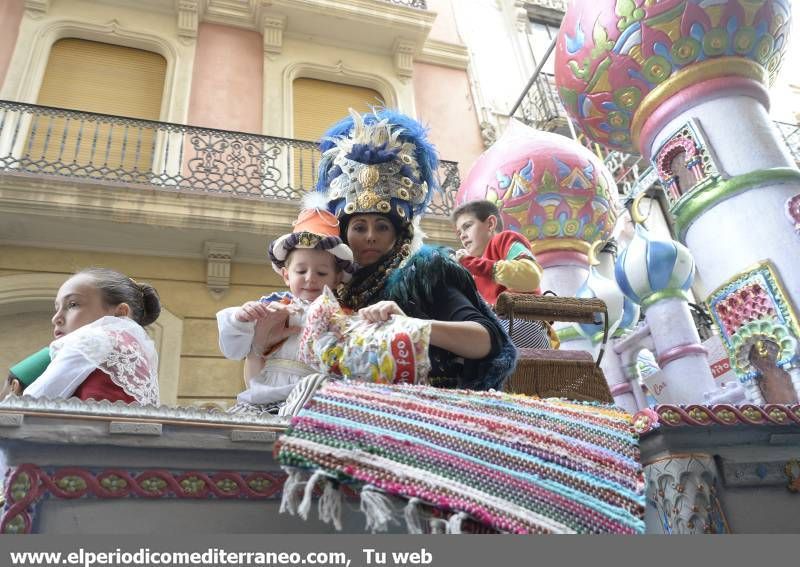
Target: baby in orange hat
{"x": 309, "y": 259}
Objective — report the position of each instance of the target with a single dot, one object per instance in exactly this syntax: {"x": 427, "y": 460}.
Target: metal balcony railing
{"x": 420, "y": 4}
{"x": 541, "y": 107}
{"x": 46, "y": 141}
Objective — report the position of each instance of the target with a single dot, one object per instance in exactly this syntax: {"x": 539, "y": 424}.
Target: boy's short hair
{"x": 481, "y": 209}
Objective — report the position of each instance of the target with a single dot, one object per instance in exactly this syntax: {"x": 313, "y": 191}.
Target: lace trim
{"x": 121, "y": 348}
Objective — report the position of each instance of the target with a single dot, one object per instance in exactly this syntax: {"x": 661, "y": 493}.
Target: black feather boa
{"x": 412, "y": 286}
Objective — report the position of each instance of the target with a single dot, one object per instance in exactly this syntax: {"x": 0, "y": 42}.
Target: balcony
{"x": 176, "y": 183}
{"x": 541, "y": 107}
{"x": 419, "y": 4}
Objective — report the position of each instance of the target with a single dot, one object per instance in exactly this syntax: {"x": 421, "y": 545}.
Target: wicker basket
{"x": 556, "y": 373}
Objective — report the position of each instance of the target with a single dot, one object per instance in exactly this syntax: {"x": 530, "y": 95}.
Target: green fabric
{"x": 29, "y": 369}
{"x": 518, "y": 250}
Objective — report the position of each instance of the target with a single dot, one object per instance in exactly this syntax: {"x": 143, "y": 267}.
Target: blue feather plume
{"x": 412, "y": 132}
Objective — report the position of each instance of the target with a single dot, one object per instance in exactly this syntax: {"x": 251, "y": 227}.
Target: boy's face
{"x": 473, "y": 233}
{"x": 307, "y": 272}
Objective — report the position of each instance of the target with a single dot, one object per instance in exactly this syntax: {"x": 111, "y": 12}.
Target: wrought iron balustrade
{"x": 47, "y": 141}
{"x": 541, "y": 107}
{"x": 420, "y": 4}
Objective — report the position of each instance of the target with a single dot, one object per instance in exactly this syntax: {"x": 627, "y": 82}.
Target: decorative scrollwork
{"x": 27, "y": 484}
{"x": 419, "y": 4}
{"x": 721, "y": 414}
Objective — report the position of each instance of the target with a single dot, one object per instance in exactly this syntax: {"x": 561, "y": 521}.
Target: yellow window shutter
{"x": 104, "y": 78}
{"x": 317, "y": 106}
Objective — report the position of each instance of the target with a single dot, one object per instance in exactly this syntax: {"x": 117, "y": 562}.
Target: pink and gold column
{"x": 685, "y": 84}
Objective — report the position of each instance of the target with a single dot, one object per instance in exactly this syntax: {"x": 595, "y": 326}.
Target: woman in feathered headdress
{"x": 378, "y": 174}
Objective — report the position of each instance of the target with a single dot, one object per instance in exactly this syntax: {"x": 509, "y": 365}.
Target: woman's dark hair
{"x": 482, "y": 211}
{"x": 118, "y": 288}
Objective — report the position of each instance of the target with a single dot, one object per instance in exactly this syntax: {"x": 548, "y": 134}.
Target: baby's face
{"x": 307, "y": 272}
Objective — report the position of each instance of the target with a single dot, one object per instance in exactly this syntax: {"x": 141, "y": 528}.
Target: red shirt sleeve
{"x": 478, "y": 266}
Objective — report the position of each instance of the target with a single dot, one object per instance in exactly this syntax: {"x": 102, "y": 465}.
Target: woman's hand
{"x": 271, "y": 323}
{"x": 380, "y": 311}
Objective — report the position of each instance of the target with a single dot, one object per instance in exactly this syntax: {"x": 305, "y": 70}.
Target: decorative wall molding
{"x": 20, "y": 293}
{"x": 488, "y": 133}
{"x": 444, "y": 54}
{"x": 521, "y": 17}
{"x": 403, "y": 58}
{"x": 189, "y": 14}
{"x": 218, "y": 266}
{"x": 242, "y": 14}
{"x": 37, "y": 7}
{"x": 547, "y": 11}
{"x": 272, "y": 26}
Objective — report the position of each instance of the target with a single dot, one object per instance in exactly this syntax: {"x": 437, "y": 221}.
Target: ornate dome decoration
{"x": 623, "y": 313}
{"x": 649, "y": 270}
{"x": 618, "y": 62}
{"x": 547, "y": 187}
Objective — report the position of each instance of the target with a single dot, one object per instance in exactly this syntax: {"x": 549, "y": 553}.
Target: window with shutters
{"x": 103, "y": 78}
{"x": 316, "y": 106}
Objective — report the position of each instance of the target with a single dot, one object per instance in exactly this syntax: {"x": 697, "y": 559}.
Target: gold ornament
{"x": 367, "y": 199}
{"x": 369, "y": 176}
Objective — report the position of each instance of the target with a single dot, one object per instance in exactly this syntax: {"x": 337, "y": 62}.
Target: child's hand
{"x": 252, "y": 311}
{"x": 461, "y": 253}
{"x": 380, "y": 311}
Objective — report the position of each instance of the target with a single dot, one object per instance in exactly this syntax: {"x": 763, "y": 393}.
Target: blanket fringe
{"x": 330, "y": 505}
{"x": 455, "y": 522}
{"x": 292, "y": 491}
{"x": 377, "y": 509}
{"x": 413, "y": 516}
{"x": 438, "y": 526}
{"x": 305, "y": 505}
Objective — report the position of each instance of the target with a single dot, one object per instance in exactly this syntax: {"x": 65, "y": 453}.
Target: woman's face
{"x": 370, "y": 236}
{"x": 79, "y": 303}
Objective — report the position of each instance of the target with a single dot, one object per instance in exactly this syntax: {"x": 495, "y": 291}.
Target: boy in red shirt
{"x": 500, "y": 260}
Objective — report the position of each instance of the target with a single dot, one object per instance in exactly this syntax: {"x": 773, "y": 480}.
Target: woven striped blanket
{"x": 506, "y": 463}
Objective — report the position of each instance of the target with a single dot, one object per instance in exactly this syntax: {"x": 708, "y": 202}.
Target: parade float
{"x": 683, "y": 83}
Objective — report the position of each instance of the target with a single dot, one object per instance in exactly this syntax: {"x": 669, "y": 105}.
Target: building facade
{"x": 173, "y": 141}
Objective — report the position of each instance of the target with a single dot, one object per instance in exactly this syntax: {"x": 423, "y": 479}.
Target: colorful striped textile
{"x": 509, "y": 463}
